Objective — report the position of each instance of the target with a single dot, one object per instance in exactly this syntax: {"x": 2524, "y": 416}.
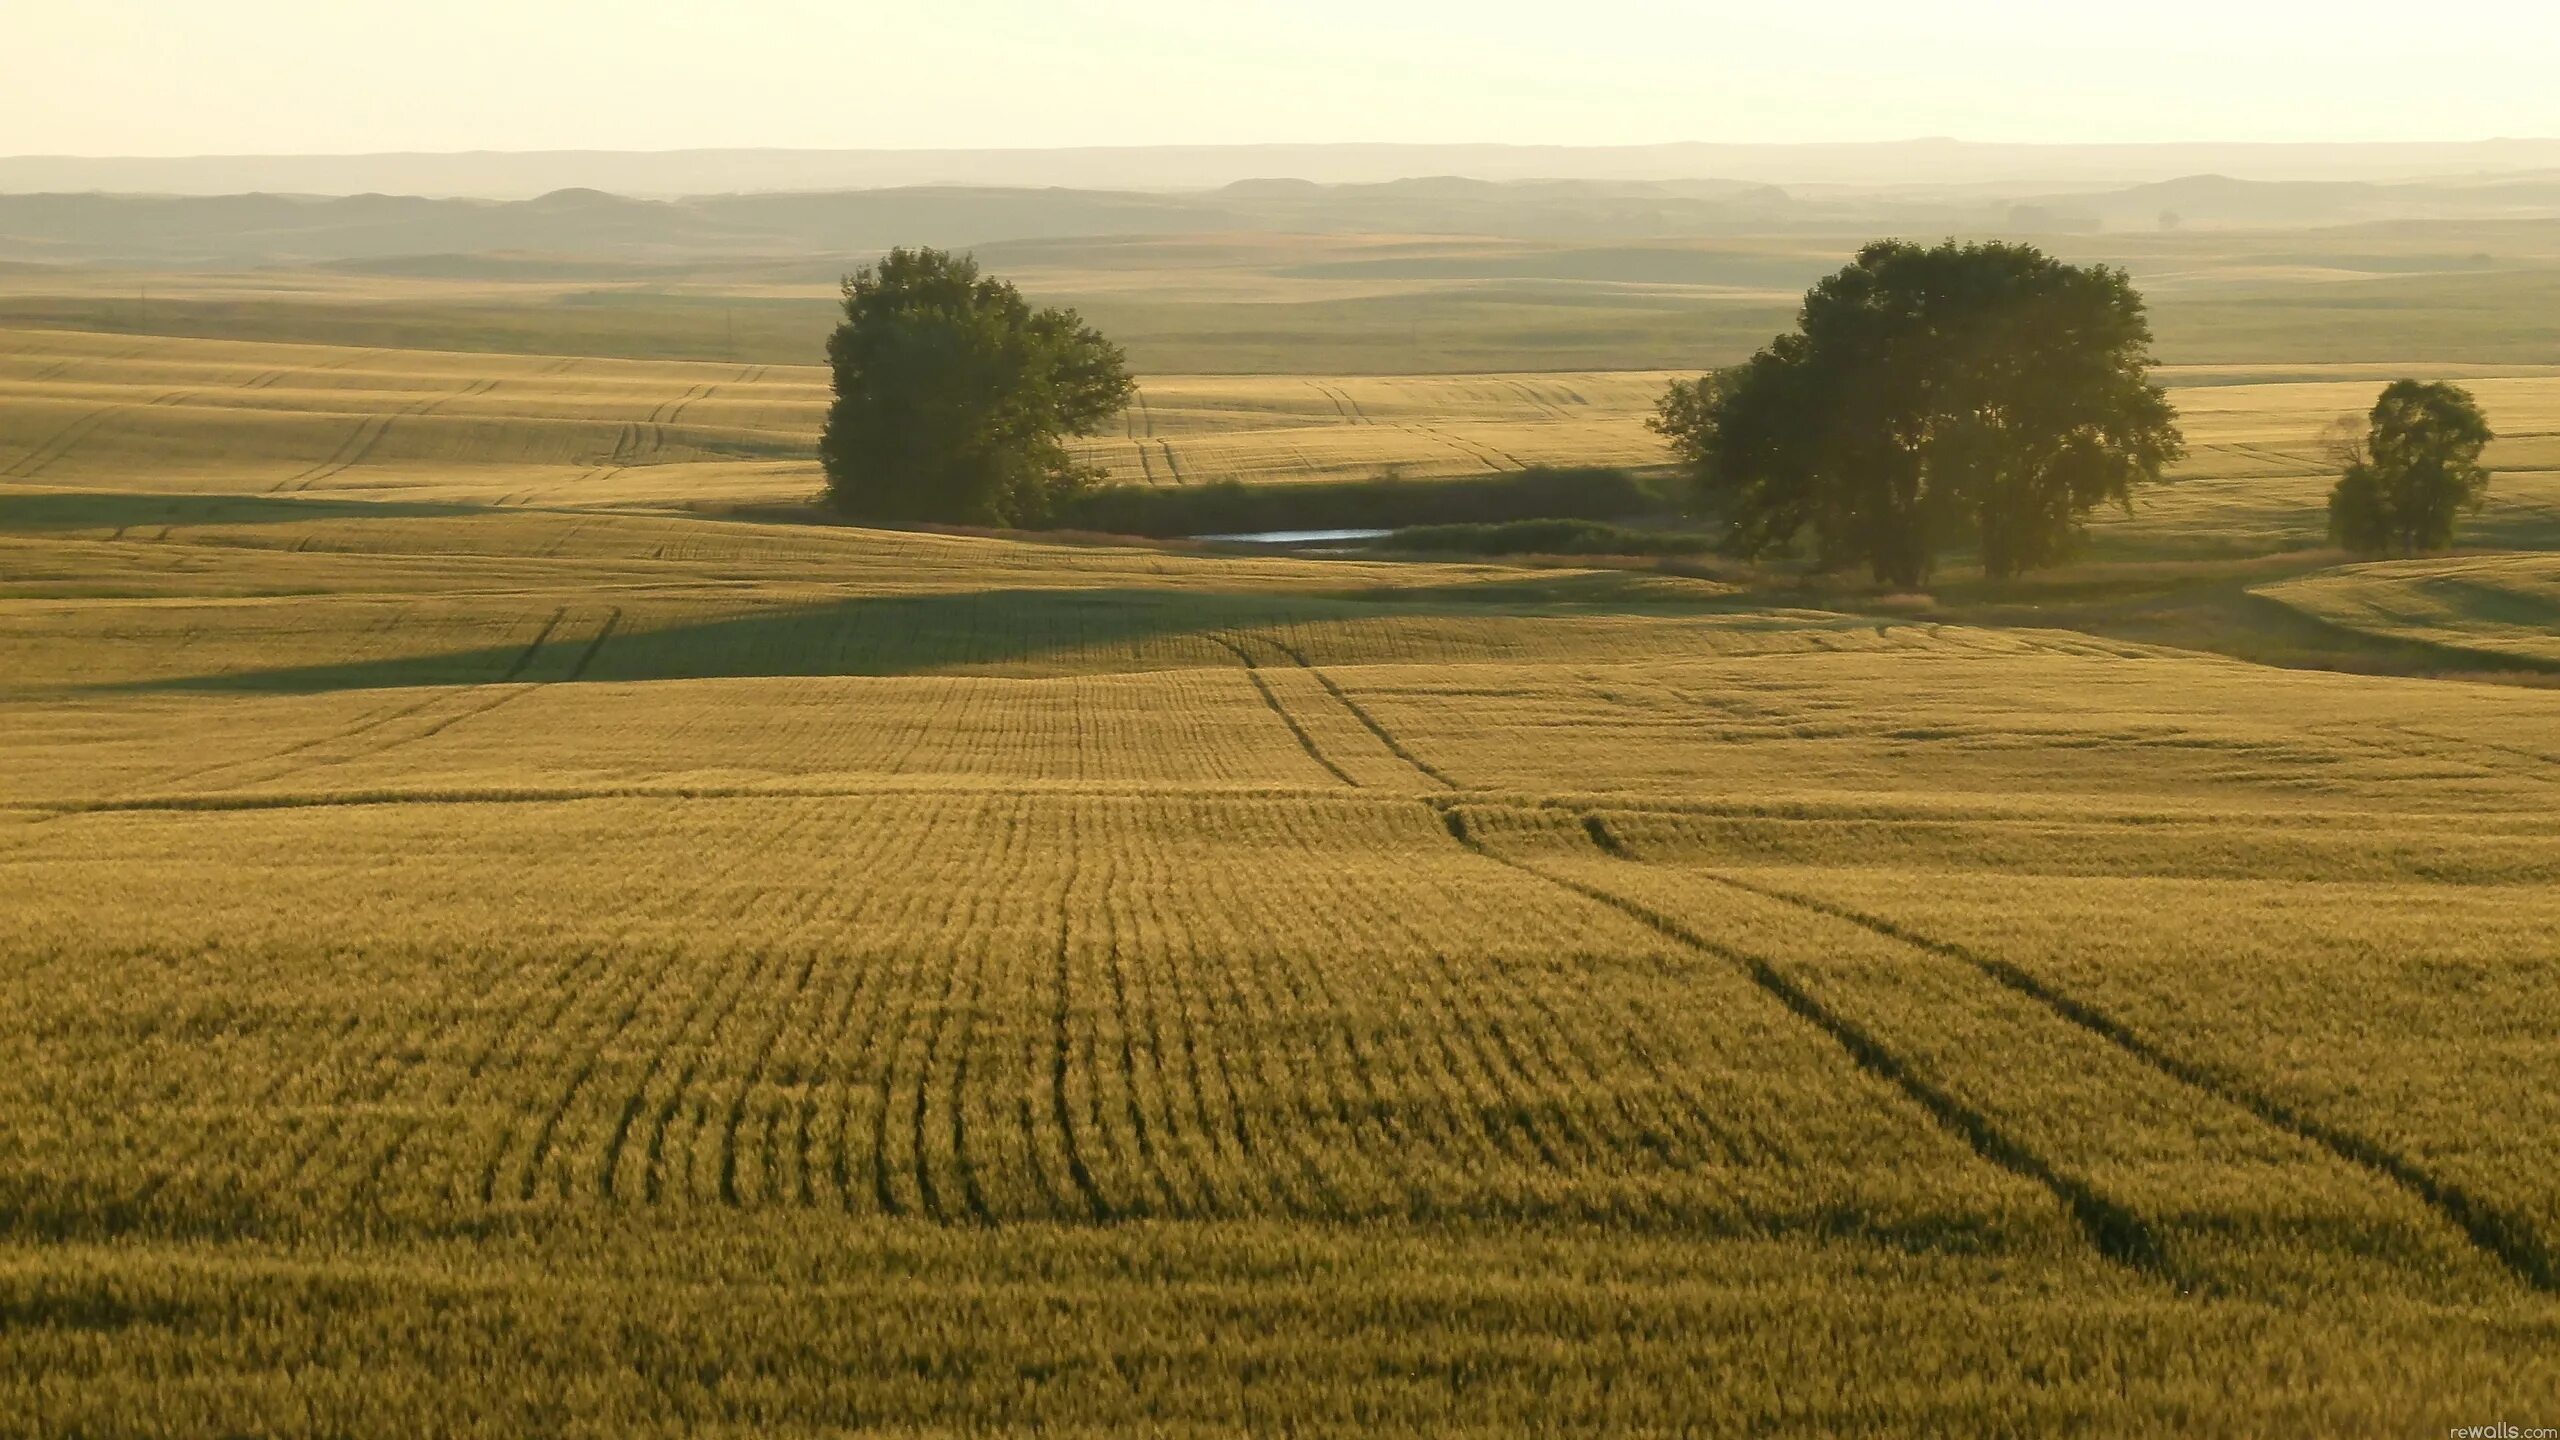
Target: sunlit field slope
{"x": 484, "y": 950}
{"x": 2504, "y": 605}
{"x": 91, "y": 413}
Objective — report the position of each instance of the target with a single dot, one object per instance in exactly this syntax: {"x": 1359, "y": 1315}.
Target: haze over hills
{"x": 664, "y": 174}
{"x": 597, "y": 226}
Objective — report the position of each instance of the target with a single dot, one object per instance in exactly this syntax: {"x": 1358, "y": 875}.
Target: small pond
{"x": 1292, "y": 537}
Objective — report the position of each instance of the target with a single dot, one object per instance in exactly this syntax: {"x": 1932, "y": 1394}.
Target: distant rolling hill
{"x": 276, "y": 228}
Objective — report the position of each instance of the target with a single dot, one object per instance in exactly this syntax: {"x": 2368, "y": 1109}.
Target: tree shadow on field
{"x": 46, "y": 510}
{"x": 1028, "y": 631}
{"x": 1019, "y": 631}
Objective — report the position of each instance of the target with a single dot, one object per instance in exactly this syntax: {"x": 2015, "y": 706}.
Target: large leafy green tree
{"x": 2414, "y": 471}
{"x": 954, "y": 398}
{"x": 1932, "y": 397}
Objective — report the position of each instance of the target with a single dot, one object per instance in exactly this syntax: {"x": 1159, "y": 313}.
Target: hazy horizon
{"x": 159, "y": 79}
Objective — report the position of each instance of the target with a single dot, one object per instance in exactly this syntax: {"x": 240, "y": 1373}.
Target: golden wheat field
{"x": 489, "y": 945}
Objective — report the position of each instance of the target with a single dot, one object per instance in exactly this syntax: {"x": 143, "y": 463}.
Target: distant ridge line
{"x": 501, "y": 175}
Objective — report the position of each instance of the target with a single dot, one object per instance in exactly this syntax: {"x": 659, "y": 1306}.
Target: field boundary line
{"x": 2117, "y": 1233}
{"x": 2501, "y": 1235}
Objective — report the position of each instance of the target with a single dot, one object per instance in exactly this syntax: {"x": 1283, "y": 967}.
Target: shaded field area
{"x": 489, "y": 945}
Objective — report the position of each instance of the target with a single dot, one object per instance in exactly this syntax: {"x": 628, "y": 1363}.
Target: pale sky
{"x": 177, "y": 77}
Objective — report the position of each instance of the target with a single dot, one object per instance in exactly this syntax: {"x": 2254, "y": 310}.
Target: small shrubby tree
{"x": 2412, "y": 472}
{"x": 1931, "y": 397}
{"x": 954, "y": 399}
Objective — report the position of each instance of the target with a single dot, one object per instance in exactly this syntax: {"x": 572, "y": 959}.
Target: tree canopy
{"x": 1931, "y": 397}
{"x": 954, "y": 398}
{"x": 2413, "y": 472}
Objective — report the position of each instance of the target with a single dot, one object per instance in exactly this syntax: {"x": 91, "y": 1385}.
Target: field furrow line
{"x": 1298, "y": 732}
{"x": 328, "y": 1056}
{"x": 816, "y": 1047}
{"x": 1150, "y": 1163}
{"x": 1294, "y": 1086}
{"x": 1497, "y": 1109}
{"x": 525, "y": 659}
{"x": 1515, "y": 1075}
{"x": 884, "y": 1056}
{"x": 1395, "y": 1147}
{"x": 697, "y": 1051}
{"x": 1223, "y": 1126}
{"x": 581, "y": 1075}
{"x": 1536, "y": 400}
{"x": 2543, "y": 766}
{"x": 503, "y": 1039}
{"x": 882, "y": 988}
{"x": 824, "y": 1039}
{"x": 587, "y": 656}
{"x": 351, "y": 731}
{"x": 1203, "y": 1142}
{"x": 1474, "y": 451}
{"x": 961, "y": 904}
{"x": 973, "y": 1191}
{"x": 2115, "y": 1231}
{"x": 377, "y": 1062}
{"x": 1061, "y": 1042}
{"x": 1327, "y": 1123}
{"x": 62, "y": 442}
{"x": 1248, "y": 1020}
{"x": 1169, "y": 1087}
{"x": 919, "y": 1142}
{"x": 369, "y": 1079}
{"x": 590, "y": 1055}
{"x": 2504, "y": 1236}
{"x": 736, "y": 1119}
{"x": 567, "y": 534}
{"x": 1359, "y": 712}
{"x": 866, "y": 974}
{"x": 610, "y": 1159}
{"x": 666, "y": 411}
{"x": 980, "y": 935}
{"x": 687, "y": 401}
{"x": 473, "y": 390}
{"x": 1650, "y": 1132}
{"x": 337, "y": 459}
